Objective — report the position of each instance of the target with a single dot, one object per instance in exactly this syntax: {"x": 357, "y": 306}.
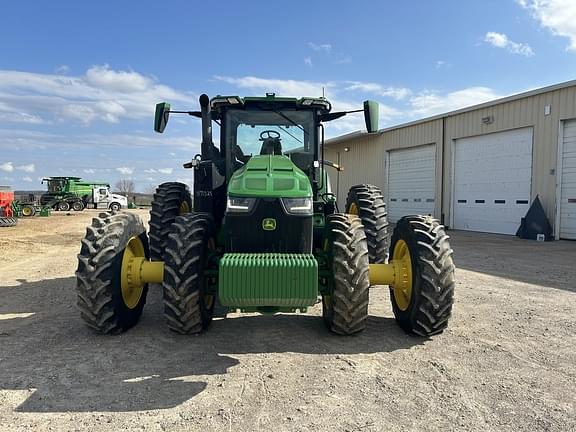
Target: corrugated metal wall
{"x": 366, "y": 158}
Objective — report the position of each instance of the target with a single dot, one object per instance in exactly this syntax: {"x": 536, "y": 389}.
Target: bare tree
{"x": 125, "y": 186}
{"x": 150, "y": 189}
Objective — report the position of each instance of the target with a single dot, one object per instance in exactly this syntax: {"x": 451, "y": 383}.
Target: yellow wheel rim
{"x": 27, "y": 211}
{"x": 131, "y": 285}
{"x": 353, "y": 210}
{"x": 403, "y": 268}
{"x": 184, "y": 207}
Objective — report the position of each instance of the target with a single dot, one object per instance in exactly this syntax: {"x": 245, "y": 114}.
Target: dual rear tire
{"x": 171, "y": 200}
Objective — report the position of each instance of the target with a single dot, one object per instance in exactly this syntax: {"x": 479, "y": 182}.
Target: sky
{"x": 79, "y": 80}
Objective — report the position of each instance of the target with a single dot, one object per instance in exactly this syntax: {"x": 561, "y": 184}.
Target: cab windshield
{"x": 287, "y": 132}
{"x": 55, "y": 185}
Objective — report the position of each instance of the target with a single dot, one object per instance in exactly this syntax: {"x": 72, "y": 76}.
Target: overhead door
{"x": 492, "y": 181}
{"x": 411, "y": 181}
{"x": 568, "y": 182}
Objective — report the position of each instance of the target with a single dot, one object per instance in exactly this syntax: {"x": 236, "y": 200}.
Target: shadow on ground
{"x": 549, "y": 264}
{"x": 73, "y": 369}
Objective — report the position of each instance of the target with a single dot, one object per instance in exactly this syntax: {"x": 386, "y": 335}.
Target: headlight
{"x": 239, "y": 205}
{"x": 302, "y": 206}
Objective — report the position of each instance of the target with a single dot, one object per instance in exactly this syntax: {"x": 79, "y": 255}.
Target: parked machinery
{"x": 7, "y": 216}
{"x": 66, "y": 193}
{"x": 264, "y": 233}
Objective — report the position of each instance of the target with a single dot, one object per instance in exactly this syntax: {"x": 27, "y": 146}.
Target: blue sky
{"x": 79, "y": 80}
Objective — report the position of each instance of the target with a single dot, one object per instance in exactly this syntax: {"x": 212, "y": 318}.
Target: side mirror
{"x": 371, "y": 115}
{"x": 161, "y": 116}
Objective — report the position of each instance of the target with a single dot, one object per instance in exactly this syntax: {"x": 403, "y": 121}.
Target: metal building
{"x": 477, "y": 168}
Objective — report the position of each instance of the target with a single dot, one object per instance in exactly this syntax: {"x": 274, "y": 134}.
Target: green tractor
{"x": 264, "y": 233}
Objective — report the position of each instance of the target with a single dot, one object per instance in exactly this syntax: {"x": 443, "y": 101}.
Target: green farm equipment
{"x": 65, "y": 193}
{"x": 264, "y": 233}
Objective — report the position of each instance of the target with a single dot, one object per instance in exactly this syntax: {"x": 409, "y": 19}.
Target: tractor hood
{"x": 270, "y": 176}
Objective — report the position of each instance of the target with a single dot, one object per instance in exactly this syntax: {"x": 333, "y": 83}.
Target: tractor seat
{"x": 271, "y": 146}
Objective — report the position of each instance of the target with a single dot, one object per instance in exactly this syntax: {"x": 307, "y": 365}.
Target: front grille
{"x": 244, "y": 232}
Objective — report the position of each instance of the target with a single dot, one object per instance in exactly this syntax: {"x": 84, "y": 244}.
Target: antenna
{"x": 323, "y": 92}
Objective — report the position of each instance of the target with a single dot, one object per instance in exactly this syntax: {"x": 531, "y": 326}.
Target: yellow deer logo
{"x": 268, "y": 224}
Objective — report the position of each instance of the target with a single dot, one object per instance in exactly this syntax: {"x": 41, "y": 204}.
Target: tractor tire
{"x": 77, "y": 206}
{"x": 28, "y": 210}
{"x": 63, "y": 206}
{"x": 8, "y": 221}
{"x": 99, "y": 290}
{"x": 170, "y": 200}
{"x": 345, "y": 309}
{"x": 432, "y": 292}
{"x": 187, "y": 308}
{"x": 368, "y": 202}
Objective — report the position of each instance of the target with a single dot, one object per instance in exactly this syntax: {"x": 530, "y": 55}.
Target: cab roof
{"x": 270, "y": 101}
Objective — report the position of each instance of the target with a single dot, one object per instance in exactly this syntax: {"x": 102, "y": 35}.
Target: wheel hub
{"x": 403, "y": 275}
{"x": 137, "y": 271}
{"x": 184, "y": 208}
{"x": 397, "y": 274}
{"x": 353, "y": 210}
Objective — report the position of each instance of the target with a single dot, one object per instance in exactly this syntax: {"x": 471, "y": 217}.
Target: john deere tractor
{"x": 264, "y": 233}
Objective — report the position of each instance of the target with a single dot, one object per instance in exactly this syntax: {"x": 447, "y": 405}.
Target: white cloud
{"x": 165, "y": 170}
{"x": 408, "y": 104}
{"x": 150, "y": 171}
{"x": 397, "y": 93}
{"x": 30, "y": 168}
{"x": 281, "y": 87}
{"x": 427, "y": 104}
{"x": 125, "y": 170}
{"x": 27, "y": 179}
{"x": 308, "y": 61}
{"x": 7, "y": 166}
{"x": 309, "y": 88}
{"x": 344, "y": 60}
{"x": 101, "y": 94}
{"x": 320, "y": 47}
{"x": 62, "y": 70}
{"x": 89, "y": 171}
{"x": 30, "y": 140}
{"x": 500, "y": 40}
{"x": 439, "y": 64}
{"x": 558, "y": 16}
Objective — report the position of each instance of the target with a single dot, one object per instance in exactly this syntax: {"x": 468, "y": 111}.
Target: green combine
{"x": 264, "y": 233}
{"x": 65, "y": 193}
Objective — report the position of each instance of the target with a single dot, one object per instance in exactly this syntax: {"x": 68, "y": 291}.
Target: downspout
{"x": 442, "y": 216}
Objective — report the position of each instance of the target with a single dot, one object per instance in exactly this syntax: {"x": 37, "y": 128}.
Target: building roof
{"x": 530, "y": 93}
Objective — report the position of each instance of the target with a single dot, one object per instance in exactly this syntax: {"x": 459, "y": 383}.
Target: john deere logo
{"x": 268, "y": 224}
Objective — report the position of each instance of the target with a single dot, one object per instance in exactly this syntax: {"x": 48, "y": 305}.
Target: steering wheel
{"x": 268, "y": 134}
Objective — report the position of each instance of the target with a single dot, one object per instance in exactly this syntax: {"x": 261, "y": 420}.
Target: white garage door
{"x": 568, "y": 182}
{"x": 411, "y": 181}
{"x": 492, "y": 180}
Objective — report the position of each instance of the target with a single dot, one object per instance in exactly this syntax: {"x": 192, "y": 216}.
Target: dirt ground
{"x": 507, "y": 361}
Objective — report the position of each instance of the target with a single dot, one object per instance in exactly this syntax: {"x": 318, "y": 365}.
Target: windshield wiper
{"x": 285, "y": 117}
